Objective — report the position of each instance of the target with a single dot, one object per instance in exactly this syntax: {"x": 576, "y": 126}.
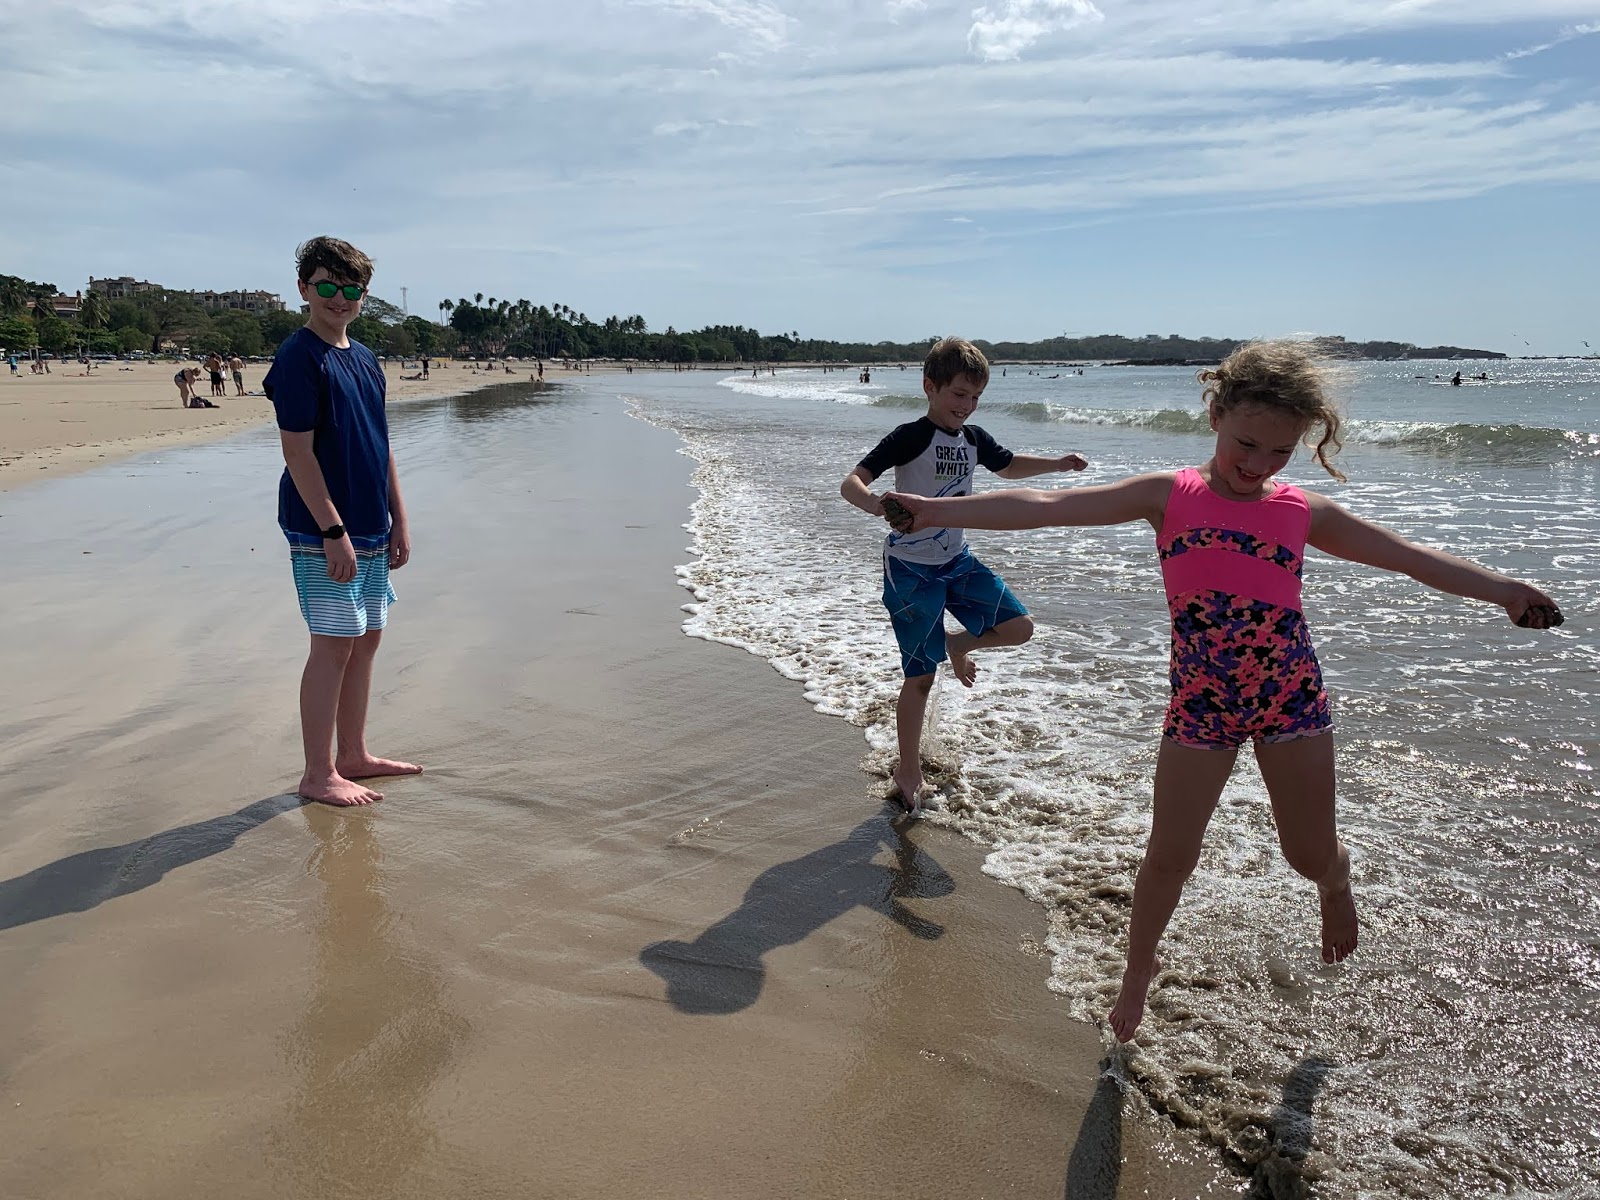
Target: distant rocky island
{"x": 1153, "y": 350}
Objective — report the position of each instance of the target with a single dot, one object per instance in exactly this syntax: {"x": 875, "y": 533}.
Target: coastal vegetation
{"x": 162, "y": 321}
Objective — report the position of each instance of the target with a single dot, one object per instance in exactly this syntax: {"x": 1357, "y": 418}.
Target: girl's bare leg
{"x": 1188, "y": 784}
{"x": 1299, "y": 778}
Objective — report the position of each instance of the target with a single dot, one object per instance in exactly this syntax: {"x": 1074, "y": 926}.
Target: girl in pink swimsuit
{"x": 1231, "y": 540}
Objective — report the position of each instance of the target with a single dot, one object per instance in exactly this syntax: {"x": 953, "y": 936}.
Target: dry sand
{"x": 638, "y": 932}
{"x": 69, "y": 420}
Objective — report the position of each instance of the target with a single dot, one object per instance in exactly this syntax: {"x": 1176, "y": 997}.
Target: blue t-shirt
{"x": 338, "y": 395}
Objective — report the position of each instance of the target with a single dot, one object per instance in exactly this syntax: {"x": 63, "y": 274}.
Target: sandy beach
{"x": 70, "y": 420}
{"x": 640, "y": 930}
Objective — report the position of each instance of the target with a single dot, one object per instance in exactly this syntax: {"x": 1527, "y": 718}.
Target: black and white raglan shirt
{"x": 928, "y": 461}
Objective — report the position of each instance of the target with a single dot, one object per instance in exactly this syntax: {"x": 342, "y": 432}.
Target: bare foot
{"x": 1128, "y": 1011}
{"x": 907, "y": 790}
{"x": 960, "y": 646}
{"x": 370, "y": 768}
{"x": 1338, "y": 924}
{"x": 336, "y": 790}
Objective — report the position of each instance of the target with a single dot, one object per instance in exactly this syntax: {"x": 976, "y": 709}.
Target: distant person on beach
{"x": 1231, "y": 542}
{"x": 927, "y": 573}
{"x": 12, "y": 360}
{"x": 188, "y": 397}
{"x": 214, "y": 366}
{"x": 340, "y": 508}
{"x": 236, "y": 366}
{"x": 425, "y": 363}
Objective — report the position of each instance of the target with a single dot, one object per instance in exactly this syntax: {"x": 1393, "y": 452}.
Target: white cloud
{"x": 1566, "y": 35}
{"x": 1006, "y": 30}
{"x": 765, "y": 26}
{"x": 592, "y": 144}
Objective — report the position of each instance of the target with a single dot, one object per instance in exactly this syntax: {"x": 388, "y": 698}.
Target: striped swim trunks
{"x": 342, "y": 609}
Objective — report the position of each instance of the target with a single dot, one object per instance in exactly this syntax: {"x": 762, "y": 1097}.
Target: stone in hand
{"x": 898, "y": 515}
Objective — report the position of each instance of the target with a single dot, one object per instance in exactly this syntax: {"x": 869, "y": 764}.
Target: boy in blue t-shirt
{"x": 932, "y": 570}
{"x": 339, "y": 505}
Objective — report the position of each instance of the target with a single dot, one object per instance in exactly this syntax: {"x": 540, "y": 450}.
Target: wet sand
{"x": 69, "y": 421}
{"x": 638, "y": 931}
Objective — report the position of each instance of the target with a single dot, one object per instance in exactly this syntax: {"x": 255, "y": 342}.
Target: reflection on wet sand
{"x": 374, "y": 1040}
{"x": 493, "y": 403}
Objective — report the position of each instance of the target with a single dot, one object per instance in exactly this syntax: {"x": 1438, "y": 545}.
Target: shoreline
{"x": 637, "y": 928}
{"x": 67, "y": 422}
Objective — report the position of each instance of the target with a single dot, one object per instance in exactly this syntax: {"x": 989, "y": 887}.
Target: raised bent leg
{"x": 1188, "y": 785}
{"x": 1300, "y": 779}
{"x": 961, "y": 644}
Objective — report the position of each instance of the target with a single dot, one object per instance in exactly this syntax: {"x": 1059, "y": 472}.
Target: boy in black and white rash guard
{"x": 932, "y": 570}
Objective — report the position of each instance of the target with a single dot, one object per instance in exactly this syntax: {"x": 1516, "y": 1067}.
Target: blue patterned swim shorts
{"x": 917, "y": 596}
{"x": 342, "y": 609}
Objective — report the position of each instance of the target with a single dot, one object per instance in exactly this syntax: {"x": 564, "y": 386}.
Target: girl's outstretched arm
{"x": 1139, "y": 497}
{"x": 1345, "y": 535}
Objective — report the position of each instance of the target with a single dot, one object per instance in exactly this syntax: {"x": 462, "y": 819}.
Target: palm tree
{"x": 93, "y": 313}
{"x": 43, "y": 296}
{"x": 13, "y": 294}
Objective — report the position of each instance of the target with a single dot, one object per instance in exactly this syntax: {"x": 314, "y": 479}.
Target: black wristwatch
{"x": 333, "y": 533}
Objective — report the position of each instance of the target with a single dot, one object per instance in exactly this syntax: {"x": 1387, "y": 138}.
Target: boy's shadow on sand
{"x": 722, "y": 970}
{"x": 82, "y": 881}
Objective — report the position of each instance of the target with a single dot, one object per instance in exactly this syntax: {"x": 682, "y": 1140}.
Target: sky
{"x": 1419, "y": 170}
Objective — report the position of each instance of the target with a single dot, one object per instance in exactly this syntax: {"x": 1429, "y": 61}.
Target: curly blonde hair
{"x": 1286, "y": 377}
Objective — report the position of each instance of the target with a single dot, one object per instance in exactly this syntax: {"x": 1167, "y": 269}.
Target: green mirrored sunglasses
{"x": 327, "y": 289}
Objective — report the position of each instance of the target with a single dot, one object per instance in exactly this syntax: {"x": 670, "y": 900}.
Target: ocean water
{"x": 1458, "y": 1053}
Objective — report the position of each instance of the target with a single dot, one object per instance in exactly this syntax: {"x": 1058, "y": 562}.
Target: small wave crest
{"x": 819, "y": 388}
{"x": 1510, "y": 443}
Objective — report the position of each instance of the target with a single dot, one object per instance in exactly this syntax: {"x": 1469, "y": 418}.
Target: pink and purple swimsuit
{"x": 1243, "y": 669}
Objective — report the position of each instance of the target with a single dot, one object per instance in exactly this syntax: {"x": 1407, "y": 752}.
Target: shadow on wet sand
{"x": 83, "y": 881}
{"x": 1095, "y": 1168}
{"x": 1281, "y": 1173}
{"x": 722, "y": 971}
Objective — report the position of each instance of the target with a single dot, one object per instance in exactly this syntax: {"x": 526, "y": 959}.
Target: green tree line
{"x": 161, "y": 321}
